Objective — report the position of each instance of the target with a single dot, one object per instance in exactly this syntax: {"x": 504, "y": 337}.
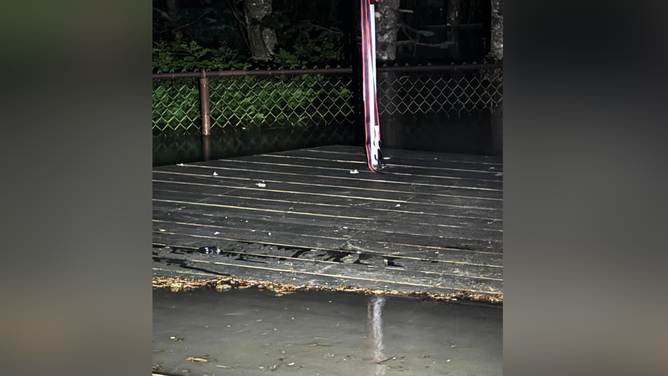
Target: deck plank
{"x": 435, "y": 219}
{"x": 433, "y": 164}
{"x": 415, "y": 154}
{"x": 394, "y": 169}
{"x": 276, "y": 168}
{"x": 381, "y": 210}
{"x": 417, "y": 211}
{"x": 456, "y": 239}
{"x": 169, "y": 232}
{"x": 432, "y": 193}
{"x": 315, "y": 235}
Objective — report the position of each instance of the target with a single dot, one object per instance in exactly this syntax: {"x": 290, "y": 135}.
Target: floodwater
{"x": 254, "y": 332}
{"x": 171, "y": 148}
{"x": 463, "y": 133}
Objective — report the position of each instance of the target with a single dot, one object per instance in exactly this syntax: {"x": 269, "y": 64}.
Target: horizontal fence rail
{"x": 199, "y": 102}
{"x": 269, "y": 72}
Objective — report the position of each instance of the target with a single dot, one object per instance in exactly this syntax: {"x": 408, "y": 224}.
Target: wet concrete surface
{"x": 254, "y": 332}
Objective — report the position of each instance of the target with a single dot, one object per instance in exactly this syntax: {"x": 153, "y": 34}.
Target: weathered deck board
{"x": 364, "y": 225}
{"x": 486, "y": 207}
{"x": 431, "y": 222}
{"x": 412, "y": 266}
{"x": 383, "y": 192}
{"x": 233, "y": 166}
{"x": 414, "y": 154}
{"x": 430, "y": 248}
{"x": 394, "y": 222}
{"x": 415, "y": 212}
{"x": 419, "y": 165}
{"x": 323, "y": 163}
{"x": 291, "y": 235}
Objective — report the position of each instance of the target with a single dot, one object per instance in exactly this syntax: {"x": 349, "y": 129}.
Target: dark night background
{"x": 211, "y": 23}
{"x": 584, "y": 188}
{"x": 436, "y": 111}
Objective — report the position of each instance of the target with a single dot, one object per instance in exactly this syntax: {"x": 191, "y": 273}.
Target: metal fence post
{"x": 206, "y": 147}
{"x": 204, "y": 99}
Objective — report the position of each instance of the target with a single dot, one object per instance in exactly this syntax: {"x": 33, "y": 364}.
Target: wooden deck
{"x": 433, "y": 222}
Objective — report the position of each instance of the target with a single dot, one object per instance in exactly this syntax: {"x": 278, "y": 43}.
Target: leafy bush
{"x": 182, "y": 55}
{"x": 278, "y": 101}
{"x": 303, "y": 43}
{"x": 176, "y": 105}
{"x": 246, "y": 101}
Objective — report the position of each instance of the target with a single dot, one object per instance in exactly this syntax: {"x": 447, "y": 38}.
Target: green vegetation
{"x": 180, "y": 55}
{"x": 247, "y": 101}
{"x": 176, "y": 104}
{"x": 276, "y": 101}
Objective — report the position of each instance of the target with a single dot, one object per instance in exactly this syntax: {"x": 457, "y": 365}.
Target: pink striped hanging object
{"x": 371, "y": 118}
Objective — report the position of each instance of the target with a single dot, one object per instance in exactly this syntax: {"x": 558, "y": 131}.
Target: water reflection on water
{"x": 376, "y": 324}
{"x": 172, "y": 148}
{"x": 460, "y": 133}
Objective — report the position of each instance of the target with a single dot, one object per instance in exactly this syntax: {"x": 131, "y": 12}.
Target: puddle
{"x": 254, "y": 332}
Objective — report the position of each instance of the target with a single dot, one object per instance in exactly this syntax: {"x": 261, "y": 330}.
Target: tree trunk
{"x": 171, "y": 8}
{"x": 387, "y": 24}
{"x": 262, "y": 39}
{"x": 496, "y": 53}
{"x": 172, "y": 11}
{"x": 496, "y": 46}
{"x": 387, "y": 17}
{"x": 453, "y": 20}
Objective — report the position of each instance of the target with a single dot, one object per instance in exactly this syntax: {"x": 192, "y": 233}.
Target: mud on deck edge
{"x": 187, "y": 280}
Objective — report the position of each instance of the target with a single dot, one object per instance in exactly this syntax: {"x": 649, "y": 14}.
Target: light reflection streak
{"x": 376, "y": 336}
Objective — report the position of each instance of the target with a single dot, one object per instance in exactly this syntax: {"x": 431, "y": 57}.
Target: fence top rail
{"x": 292, "y": 72}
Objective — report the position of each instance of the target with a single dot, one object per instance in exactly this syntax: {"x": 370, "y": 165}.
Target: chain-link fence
{"x": 176, "y": 106}
{"x": 423, "y": 92}
{"x": 281, "y": 101}
{"x": 275, "y": 100}
{"x": 264, "y": 111}
{"x": 430, "y": 108}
